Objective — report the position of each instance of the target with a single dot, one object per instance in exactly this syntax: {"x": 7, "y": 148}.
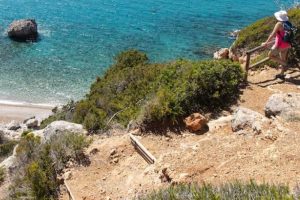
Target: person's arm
{"x": 273, "y": 34}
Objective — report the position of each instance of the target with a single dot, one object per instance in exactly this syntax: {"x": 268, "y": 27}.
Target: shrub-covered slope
{"x": 258, "y": 32}
{"x": 134, "y": 89}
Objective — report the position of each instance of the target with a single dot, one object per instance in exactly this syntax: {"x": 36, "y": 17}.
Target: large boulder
{"x": 222, "y": 54}
{"x": 196, "y": 122}
{"x": 23, "y": 30}
{"x": 285, "y": 105}
{"x": 59, "y": 127}
{"x": 244, "y": 118}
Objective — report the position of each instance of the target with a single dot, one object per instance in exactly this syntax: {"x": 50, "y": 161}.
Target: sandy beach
{"x": 18, "y": 113}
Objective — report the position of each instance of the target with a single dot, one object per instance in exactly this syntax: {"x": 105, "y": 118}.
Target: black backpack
{"x": 289, "y": 32}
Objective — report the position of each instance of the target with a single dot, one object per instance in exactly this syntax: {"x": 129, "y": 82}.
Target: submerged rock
{"x": 285, "y": 105}
{"x": 23, "y": 30}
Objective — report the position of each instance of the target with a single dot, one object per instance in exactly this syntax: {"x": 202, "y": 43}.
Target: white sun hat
{"x": 281, "y": 16}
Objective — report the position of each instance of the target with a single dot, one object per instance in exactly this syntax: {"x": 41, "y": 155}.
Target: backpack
{"x": 289, "y": 32}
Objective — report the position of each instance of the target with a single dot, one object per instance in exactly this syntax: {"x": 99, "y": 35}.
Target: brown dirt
{"x": 214, "y": 157}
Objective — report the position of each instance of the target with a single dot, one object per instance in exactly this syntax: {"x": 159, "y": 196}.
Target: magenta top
{"x": 279, "y": 43}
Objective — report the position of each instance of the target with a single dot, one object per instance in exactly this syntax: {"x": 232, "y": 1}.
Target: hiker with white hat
{"x": 279, "y": 51}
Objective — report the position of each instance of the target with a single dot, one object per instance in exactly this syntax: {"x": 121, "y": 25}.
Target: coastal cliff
{"x": 243, "y": 142}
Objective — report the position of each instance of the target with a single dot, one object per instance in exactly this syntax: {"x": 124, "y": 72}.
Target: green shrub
{"x": 7, "y": 148}
{"x": 133, "y": 89}
{"x": 39, "y": 163}
{"x": 2, "y": 175}
{"x": 131, "y": 58}
{"x": 232, "y": 191}
{"x": 41, "y": 176}
{"x": 258, "y": 32}
{"x": 66, "y": 147}
{"x": 28, "y": 146}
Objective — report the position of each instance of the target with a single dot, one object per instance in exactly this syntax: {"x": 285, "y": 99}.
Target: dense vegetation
{"x": 134, "y": 89}
{"x": 258, "y": 32}
{"x": 230, "y": 191}
{"x": 39, "y": 164}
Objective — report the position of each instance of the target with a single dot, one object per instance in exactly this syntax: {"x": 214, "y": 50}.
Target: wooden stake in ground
{"x": 150, "y": 159}
{"x": 71, "y": 196}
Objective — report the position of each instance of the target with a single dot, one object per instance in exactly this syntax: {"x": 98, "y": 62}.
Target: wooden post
{"x": 71, "y": 196}
{"x": 248, "y": 56}
{"x": 150, "y": 159}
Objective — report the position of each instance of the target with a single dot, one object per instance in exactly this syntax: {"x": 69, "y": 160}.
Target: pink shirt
{"x": 279, "y": 43}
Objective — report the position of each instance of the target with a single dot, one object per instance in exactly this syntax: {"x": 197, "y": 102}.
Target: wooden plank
{"x": 142, "y": 150}
{"x": 255, "y": 49}
{"x": 260, "y": 62}
{"x": 71, "y": 195}
{"x": 260, "y": 47}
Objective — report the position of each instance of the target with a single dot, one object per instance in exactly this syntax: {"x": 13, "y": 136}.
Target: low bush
{"x": 7, "y": 148}
{"x": 258, "y": 32}
{"x": 133, "y": 89}
{"x": 2, "y": 175}
{"x": 40, "y": 163}
{"x": 232, "y": 191}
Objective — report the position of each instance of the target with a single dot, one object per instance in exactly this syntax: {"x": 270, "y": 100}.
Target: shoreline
{"x": 11, "y": 111}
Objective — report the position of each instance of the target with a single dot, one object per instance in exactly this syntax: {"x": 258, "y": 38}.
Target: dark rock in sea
{"x": 23, "y": 30}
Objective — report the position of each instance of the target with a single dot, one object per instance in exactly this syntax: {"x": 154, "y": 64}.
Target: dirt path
{"x": 118, "y": 172}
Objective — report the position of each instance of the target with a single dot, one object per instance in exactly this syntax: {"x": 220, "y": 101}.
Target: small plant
{"x": 26, "y": 133}
{"x": 41, "y": 176}
{"x": 39, "y": 163}
{"x": 68, "y": 146}
{"x": 232, "y": 191}
{"x": 7, "y": 148}
{"x": 2, "y": 175}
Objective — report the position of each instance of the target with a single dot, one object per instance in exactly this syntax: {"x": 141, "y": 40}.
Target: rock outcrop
{"x": 285, "y": 105}
{"x": 60, "y": 127}
{"x": 244, "y": 119}
{"x": 13, "y": 126}
{"x": 23, "y": 30}
{"x": 32, "y": 123}
{"x": 196, "y": 122}
{"x": 222, "y": 54}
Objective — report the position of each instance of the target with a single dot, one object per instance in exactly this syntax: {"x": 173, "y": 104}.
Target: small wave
{"x": 45, "y": 32}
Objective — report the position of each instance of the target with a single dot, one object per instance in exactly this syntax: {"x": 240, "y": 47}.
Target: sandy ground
{"x": 21, "y": 112}
{"x": 215, "y": 157}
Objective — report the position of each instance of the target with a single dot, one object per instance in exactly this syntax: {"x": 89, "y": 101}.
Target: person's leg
{"x": 284, "y": 57}
{"x": 273, "y": 55}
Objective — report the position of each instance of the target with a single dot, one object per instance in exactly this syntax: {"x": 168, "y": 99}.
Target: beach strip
{"x": 20, "y": 112}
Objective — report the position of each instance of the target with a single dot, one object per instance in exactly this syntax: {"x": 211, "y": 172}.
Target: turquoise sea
{"x": 79, "y": 39}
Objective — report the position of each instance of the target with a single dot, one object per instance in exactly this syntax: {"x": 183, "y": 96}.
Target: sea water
{"x": 80, "y": 38}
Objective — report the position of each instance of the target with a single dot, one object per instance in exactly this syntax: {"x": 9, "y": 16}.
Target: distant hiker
{"x": 281, "y": 31}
